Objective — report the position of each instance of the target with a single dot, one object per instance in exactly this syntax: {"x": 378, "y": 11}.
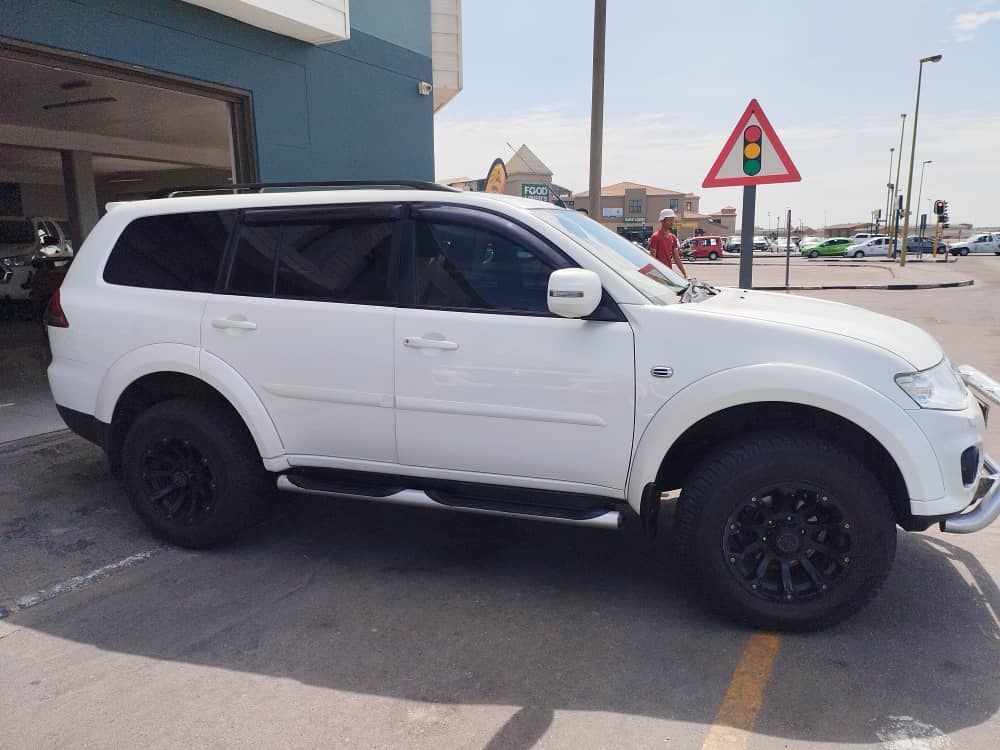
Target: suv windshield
{"x": 645, "y": 273}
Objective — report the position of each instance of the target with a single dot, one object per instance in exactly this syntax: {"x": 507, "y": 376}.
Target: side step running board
{"x": 610, "y": 520}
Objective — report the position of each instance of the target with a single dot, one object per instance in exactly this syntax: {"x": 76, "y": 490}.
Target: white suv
{"x": 503, "y": 356}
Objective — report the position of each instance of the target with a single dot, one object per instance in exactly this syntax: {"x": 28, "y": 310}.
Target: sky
{"x": 833, "y": 79}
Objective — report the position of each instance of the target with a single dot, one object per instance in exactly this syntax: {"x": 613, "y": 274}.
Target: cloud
{"x": 843, "y": 163}
{"x": 965, "y": 24}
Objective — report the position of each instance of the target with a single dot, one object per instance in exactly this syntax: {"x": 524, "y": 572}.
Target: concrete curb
{"x": 894, "y": 287}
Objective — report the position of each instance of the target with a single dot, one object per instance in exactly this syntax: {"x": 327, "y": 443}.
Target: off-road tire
{"x": 233, "y": 482}
{"x": 723, "y": 483}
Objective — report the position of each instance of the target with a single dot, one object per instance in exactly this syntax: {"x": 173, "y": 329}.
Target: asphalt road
{"x": 343, "y": 624}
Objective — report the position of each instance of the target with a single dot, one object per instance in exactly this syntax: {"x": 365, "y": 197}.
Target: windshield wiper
{"x": 696, "y": 291}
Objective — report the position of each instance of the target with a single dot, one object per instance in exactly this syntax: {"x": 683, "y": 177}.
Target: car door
{"x": 487, "y": 380}
{"x": 306, "y": 318}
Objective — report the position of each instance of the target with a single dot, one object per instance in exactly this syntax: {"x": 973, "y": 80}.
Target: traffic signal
{"x": 939, "y": 207}
{"x": 751, "y": 150}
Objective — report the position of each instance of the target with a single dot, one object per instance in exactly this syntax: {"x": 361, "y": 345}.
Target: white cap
{"x": 667, "y": 213}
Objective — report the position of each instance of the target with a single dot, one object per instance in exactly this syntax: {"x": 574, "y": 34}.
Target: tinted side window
{"x": 468, "y": 268}
{"x": 330, "y": 260}
{"x": 180, "y": 252}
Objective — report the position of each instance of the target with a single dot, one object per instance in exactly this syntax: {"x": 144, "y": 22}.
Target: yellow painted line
{"x": 738, "y": 712}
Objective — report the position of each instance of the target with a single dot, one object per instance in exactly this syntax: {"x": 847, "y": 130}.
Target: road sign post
{"x": 788, "y": 245}
{"x": 753, "y": 155}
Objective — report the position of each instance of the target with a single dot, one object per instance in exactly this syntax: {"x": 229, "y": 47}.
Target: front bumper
{"x": 985, "y": 507}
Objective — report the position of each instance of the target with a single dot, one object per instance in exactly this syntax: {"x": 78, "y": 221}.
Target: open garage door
{"x": 75, "y": 134}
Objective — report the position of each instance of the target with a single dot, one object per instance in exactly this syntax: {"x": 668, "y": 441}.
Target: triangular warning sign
{"x": 753, "y": 155}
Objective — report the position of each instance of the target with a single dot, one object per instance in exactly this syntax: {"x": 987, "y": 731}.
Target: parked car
{"x": 870, "y": 247}
{"x": 24, "y": 239}
{"x": 760, "y": 243}
{"x": 832, "y": 246}
{"x": 531, "y": 363}
{"x": 988, "y": 242}
{"x": 734, "y": 243}
{"x": 859, "y": 237}
{"x": 706, "y": 246}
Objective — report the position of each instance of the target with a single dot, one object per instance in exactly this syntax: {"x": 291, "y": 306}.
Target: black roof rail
{"x": 259, "y": 187}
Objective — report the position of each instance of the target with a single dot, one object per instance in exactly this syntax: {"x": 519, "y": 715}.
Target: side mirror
{"x": 574, "y": 292}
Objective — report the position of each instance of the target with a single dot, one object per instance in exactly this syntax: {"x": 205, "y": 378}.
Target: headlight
{"x": 18, "y": 260}
{"x": 940, "y": 387}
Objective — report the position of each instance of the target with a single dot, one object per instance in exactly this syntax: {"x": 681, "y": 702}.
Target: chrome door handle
{"x": 416, "y": 342}
{"x": 242, "y": 325}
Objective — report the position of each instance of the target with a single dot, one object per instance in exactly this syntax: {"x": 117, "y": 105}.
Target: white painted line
{"x": 78, "y": 582}
{"x": 3, "y": 405}
{"x": 906, "y": 733}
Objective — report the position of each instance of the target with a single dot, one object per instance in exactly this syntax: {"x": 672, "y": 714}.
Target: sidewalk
{"x": 769, "y": 273}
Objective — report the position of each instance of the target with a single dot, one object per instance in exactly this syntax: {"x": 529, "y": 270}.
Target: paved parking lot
{"x": 347, "y": 624}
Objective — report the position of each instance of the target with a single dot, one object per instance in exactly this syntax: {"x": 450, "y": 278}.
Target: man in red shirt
{"x": 663, "y": 243}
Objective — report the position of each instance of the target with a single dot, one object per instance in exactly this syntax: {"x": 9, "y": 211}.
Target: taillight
{"x": 54, "y": 314}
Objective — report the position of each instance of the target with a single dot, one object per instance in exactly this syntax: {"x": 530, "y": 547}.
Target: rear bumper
{"x": 86, "y": 426}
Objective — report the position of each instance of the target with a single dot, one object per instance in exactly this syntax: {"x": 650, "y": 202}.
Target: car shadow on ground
{"x": 452, "y": 609}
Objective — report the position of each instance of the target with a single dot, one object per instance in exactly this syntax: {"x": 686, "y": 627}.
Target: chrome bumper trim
{"x": 985, "y": 511}
{"x": 983, "y": 387}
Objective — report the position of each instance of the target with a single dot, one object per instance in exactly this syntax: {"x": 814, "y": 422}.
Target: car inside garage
{"x": 78, "y": 133}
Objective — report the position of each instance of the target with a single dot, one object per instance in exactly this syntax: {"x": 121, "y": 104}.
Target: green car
{"x": 832, "y": 246}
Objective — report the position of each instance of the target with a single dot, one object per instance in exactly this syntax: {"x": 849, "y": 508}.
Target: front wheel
{"x": 963, "y": 252}
{"x": 814, "y": 254}
{"x": 859, "y": 253}
{"x": 785, "y": 531}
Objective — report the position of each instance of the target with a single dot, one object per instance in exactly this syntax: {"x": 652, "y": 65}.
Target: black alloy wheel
{"x": 193, "y": 472}
{"x": 178, "y": 481}
{"x": 789, "y": 542}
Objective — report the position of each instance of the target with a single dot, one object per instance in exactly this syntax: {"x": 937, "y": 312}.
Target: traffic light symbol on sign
{"x": 752, "y": 137}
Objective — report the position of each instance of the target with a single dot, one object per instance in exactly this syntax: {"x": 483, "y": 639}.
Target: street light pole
{"x": 895, "y": 189}
{"x": 913, "y": 151}
{"x": 597, "y": 109}
{"x": 920, "y": 192}
{"x": 888, "y": 191}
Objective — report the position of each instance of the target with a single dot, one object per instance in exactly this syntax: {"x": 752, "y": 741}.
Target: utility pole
{"x": 888, "y": 191}
{"x": 913, "y": 151}
{"x": 899, "y": 163}
{"x": 920, "y": 190}
{"x": 597, "y": 109}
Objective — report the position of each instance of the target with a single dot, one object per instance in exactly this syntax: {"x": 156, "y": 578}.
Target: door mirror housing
{"x": 574, "y": 292}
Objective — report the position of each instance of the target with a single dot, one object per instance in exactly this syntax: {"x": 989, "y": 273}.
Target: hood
{"x": 904, "y": 340}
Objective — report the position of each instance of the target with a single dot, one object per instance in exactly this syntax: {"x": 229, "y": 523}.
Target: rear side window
{"x": 331, "y": 260}
{"x": 180, "y": 252}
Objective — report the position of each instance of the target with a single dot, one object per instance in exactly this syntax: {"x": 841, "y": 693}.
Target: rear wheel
{"x": 193, "y": 473}
{"x": 785, "y": 531}
{"x": 713, "y": 255}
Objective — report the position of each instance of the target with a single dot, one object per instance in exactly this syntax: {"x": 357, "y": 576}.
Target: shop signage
{"x": 535, "y": 191}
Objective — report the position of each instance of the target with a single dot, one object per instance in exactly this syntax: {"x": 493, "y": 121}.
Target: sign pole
{"x": 746, "y": 236}
{"x": 788, "y": 245}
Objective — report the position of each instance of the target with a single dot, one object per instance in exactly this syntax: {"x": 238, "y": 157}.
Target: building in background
{"x": 104, "y": 100}
{"x": 631, "y": 209}
{"x": 527, "y": 177}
